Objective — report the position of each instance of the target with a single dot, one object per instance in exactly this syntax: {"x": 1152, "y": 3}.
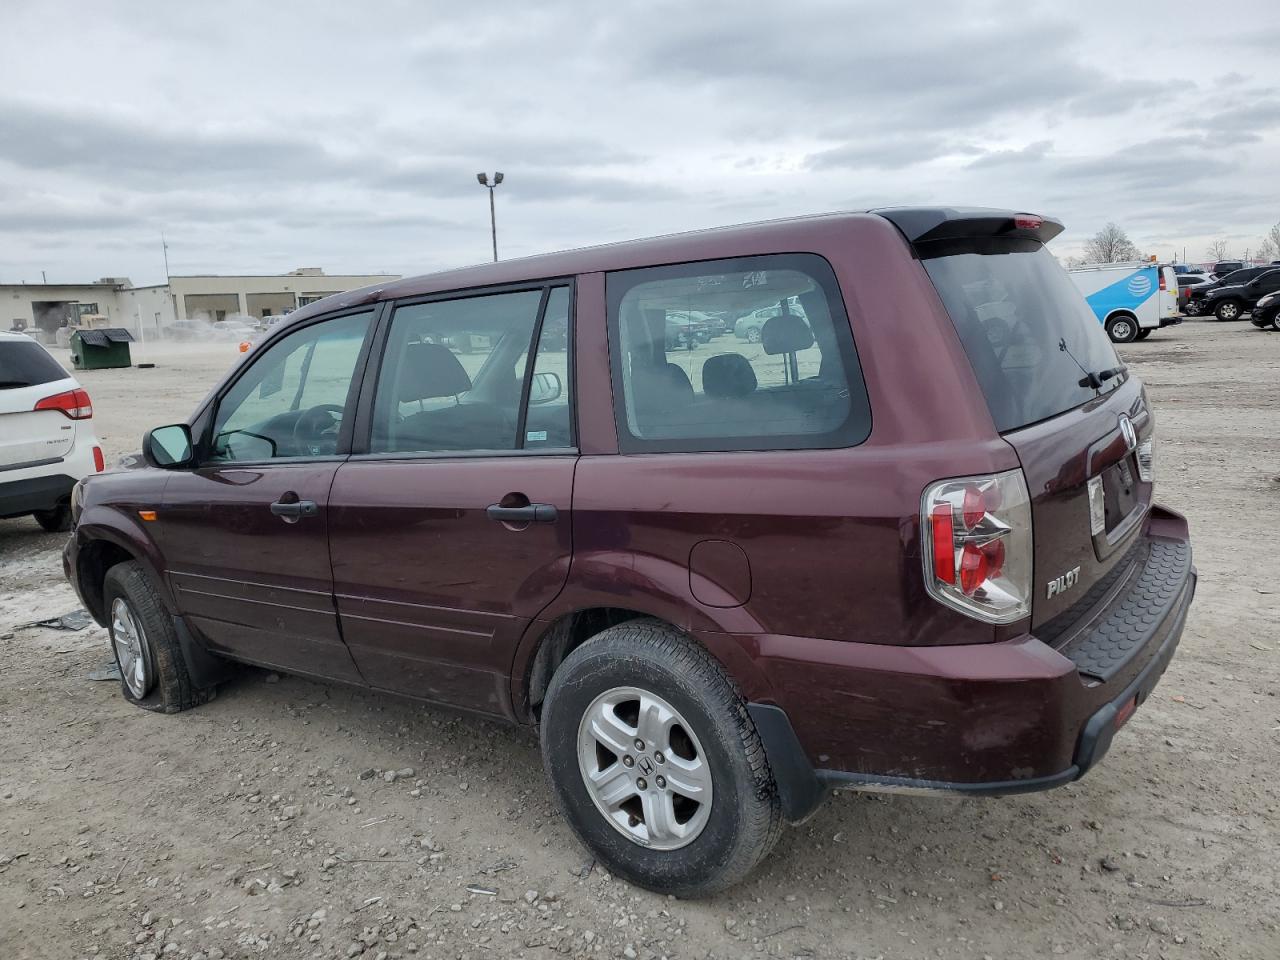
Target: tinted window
{"x": 689, "y": 376}
{"x": 24, "y": 363}
{"x": 453, "y": 373}
{"x": 1027, "y": 330}
{"x": 292, "y": 400}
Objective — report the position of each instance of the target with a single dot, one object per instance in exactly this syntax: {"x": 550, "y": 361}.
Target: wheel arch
{"x": 101, "y": 548}
{"x": 546, "y": 644}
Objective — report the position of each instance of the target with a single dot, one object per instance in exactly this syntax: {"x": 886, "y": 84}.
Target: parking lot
{"x": 290, "y": 818}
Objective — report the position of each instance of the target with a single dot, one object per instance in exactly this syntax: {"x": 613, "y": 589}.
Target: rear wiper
{"x": 1096, "y": 380}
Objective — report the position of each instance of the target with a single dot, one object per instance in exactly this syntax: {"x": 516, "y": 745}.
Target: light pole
{"x": 483, "y": 178}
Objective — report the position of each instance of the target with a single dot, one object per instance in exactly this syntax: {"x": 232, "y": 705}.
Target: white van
{"x": 1129, "y": 299}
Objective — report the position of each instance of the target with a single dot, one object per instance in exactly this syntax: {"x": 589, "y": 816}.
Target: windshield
{"x": 24, "y": 363}
{"x": 1036, "y": 347}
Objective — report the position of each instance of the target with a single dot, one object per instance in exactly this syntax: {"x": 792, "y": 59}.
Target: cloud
{"x": 258, "y": 139}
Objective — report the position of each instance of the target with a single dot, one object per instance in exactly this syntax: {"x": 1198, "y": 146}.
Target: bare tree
{"x": 1217, "y": 250}
{"x": 1271, "y": 242}
{"x": 1110, "y": 245}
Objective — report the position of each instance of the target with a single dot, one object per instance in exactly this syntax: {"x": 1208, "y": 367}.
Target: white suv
{"x": 47, "y": 441}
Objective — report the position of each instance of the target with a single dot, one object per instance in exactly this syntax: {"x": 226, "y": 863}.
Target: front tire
{"x": 1143, "y": 333}
{"x": 753, "y": 335}
{"x": 1122, "y": 328}
{"x": 655, "y": 762}
{"x": 153, "y": 673}
{"x": 1228, "y": 310}
{"x": 1192, "y": 309}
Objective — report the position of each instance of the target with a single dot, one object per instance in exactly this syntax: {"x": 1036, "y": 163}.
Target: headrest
{"x": 785, "y": 333}
{"x": 661, "y": 388}
{"x": 431, "y": 370}
{"x": 728, "y": 375}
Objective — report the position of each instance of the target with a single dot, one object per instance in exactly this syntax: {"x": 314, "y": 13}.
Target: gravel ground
{"x": 294, "y": 819}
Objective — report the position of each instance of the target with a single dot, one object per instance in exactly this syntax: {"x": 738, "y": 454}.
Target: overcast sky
{"x": 266, "y": 136}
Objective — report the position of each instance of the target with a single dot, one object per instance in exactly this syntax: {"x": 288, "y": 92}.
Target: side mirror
{"x": 169, "y": 448}
{"x": 546, "y": 388}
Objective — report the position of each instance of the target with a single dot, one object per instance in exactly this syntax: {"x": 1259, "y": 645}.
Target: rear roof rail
{"x": 925, "y": 224}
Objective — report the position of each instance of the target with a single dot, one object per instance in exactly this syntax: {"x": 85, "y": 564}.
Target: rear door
{"x": 31, "y": 437}
{"x": 246, "y": 532}
{"x": 1061, "y": 398}
{"x": 450, "y": 525}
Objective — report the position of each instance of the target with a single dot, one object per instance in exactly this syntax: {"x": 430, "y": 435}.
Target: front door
{"x": 450, "y": 528}
{"x": 246, "y": 531}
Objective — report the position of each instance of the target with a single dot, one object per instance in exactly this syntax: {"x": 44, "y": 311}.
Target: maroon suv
{"x": 904, "y": 542}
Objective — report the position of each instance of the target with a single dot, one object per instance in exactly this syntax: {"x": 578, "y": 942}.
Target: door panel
{"x": 433, "y": 595}
{"x": 256, "y": 585}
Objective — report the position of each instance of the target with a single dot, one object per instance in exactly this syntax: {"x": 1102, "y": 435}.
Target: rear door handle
{"x": 295, "y": 510}
{"x": 532, "y": 513}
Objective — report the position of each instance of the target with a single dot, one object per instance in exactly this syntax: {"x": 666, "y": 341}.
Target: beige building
{"x": 218, "y": 297}
{"x": 149, "y": 312}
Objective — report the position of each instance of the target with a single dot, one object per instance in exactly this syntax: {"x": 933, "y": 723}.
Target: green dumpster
{"x": 99, "y": 349}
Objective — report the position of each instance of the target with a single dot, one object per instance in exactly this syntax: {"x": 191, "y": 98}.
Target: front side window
{"x": 292, "y": 400}
{"x": 748, "y": 354}
{"x": 453, "y": 374}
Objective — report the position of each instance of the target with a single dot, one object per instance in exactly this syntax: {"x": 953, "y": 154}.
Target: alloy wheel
{"x": 132, "y": 649}
{"x": 644, "y": 768}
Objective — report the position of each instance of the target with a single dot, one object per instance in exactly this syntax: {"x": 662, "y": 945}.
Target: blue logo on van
{"x": 1140, "y": 285}
{"x": 1127, "y": 293}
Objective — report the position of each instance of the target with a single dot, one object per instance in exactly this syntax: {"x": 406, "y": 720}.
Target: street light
{"x": 483, "y": 179}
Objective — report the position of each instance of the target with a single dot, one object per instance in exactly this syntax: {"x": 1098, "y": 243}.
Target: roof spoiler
{"x": 925, "y": 224}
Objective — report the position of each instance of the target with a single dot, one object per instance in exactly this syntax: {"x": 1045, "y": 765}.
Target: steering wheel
{"x": 317, "y": 428}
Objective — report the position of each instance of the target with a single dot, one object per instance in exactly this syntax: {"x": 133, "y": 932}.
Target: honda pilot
{"x": 905, "y": 541}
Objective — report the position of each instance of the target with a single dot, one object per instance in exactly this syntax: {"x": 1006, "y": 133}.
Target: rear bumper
{"x": 992, "y": 719}
{"x": 20, "y": 497}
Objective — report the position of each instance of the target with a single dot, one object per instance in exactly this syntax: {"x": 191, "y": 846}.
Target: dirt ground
{"x": 294, "y": 819}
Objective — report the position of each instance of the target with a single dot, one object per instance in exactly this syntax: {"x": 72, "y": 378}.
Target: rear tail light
{"x": 1097, "y": 506}
{"x": 74, "y": 404}
{"x": 99, "y": 462}
{"x": 977, "y": 557}
{"x": 1147, "y": 459}
{"x": 1162, "y": 283}
{"x": 1027, "y": 221}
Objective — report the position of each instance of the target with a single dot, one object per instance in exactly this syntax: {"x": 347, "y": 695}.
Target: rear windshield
{"x": 24, "y": 363}
{"x": 1033, "y": 341}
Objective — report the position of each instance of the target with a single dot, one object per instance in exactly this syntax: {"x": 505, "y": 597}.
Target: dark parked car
{"x": 907, "y": 542}
{"x": 1266, "y": 312}
{"x": 1196, "y": 298}
{"x": 1224, "y": 268}
{"x": 1233, "y": 300}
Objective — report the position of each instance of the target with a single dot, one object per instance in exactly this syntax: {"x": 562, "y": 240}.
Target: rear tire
{"x": 1143, "y": 333}
{"x": 753, "y": 335}
{"x": 1122, "y": 328}
{"x": 1192, "y": 309}
{"x": 57, "y": 520}
{"x": 1228, "y": 310}
{"x": 686, "y": 847}
{"x": 142, "y": 632}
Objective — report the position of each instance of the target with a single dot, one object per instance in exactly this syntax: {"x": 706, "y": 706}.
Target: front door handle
{"x": 295, "y": 510}
{"x": 530, "y": 513}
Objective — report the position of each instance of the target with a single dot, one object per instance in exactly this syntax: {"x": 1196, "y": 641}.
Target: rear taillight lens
{"x": 73, "y": 404}
{"x": 1027, "y": 221}
{"x": 1146, "y": 454}
{"x": 977, "y": 555}
{"x": 1162, "y": 282}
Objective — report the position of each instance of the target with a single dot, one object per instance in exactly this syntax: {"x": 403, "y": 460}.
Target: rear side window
{"x": 24, "y": 363}
{"x": 746, "y": 354}
{"x": 1032, "y": 339}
